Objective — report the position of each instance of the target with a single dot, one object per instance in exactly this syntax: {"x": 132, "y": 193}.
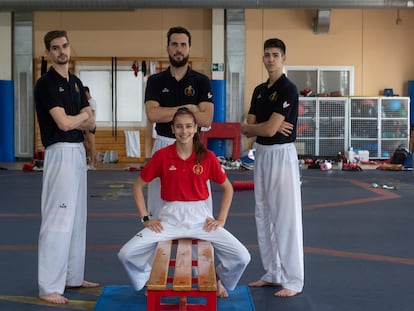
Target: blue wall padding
{"x": 218, "y": 146}
{"x": 6, "y": 121}
{"x": 411, "y": 94}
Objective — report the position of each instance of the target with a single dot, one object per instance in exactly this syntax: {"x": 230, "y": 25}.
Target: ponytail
{"x": 199, "y": 147}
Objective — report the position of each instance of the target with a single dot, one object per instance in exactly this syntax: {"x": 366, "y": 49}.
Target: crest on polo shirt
{"x": 76, "y": 88}
{"x": 198, "y": 169}
{"x": 189, "y": 91}
{"x": 273, "y": 97}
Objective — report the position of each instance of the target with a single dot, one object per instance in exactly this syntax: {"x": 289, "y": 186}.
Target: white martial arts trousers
{"x": 62, "y": 237}
{"x": 184, "y": 220}
{"x": 279, "y": 214}
{"x": 154, "y": 201}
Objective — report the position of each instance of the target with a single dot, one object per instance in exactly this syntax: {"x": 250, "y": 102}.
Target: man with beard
{"x": 177, "y": 87}
{"x": 63, "y": 113}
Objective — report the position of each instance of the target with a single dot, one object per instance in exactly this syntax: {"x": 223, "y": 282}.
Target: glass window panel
{"x": 334, "y": 81}
{"x": 129, "y": 99}
{"x": 304, "y": 79}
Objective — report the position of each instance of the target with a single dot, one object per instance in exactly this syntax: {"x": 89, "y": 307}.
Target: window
{"x": 126, "y": 106}
{"x": 327, "y": 81}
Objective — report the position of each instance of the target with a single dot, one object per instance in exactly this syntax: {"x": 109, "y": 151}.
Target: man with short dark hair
{"x": 272, "y": 119}
{"x": 63, "y": 113}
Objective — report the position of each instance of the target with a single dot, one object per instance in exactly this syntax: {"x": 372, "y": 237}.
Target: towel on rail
{"x": 132, "y": 144}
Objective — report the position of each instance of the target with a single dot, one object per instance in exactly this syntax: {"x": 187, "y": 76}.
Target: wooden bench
{"x": 173, "y": 277}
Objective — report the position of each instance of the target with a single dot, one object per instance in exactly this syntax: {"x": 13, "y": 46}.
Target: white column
{"x": 6, "y": 46}
{"x": 218, "y": 41}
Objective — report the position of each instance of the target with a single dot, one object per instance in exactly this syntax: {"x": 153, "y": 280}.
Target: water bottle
{"x": 339, "y": 160}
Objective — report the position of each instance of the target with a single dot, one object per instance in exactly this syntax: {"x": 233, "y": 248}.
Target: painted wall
{"x": 381, "y": 51}
{"x": 140, "y": 33}
{"x": 370, "y": 40}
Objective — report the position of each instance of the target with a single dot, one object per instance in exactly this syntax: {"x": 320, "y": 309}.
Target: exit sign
{"x": 218, "y": 67}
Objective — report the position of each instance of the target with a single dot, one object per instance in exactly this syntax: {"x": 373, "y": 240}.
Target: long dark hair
{"x": 199, "y": 147}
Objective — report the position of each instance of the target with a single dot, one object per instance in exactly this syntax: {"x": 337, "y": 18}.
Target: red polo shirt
{"x": 183, "y": 180}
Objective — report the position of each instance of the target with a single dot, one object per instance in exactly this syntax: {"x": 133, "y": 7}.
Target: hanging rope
{"x": 116, "y": 100}
{"x": 114, "y": 117}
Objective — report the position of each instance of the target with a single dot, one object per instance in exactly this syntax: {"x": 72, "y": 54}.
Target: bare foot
{"x": 221, "y": 290}
{"x": 261, "y": 283}
{"x": 284, "y": 292}
{"x": 55, "y": 298}
{"x": 85, "y": 284}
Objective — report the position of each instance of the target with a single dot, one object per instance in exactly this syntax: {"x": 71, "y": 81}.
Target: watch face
{"x": 145, "y": 218}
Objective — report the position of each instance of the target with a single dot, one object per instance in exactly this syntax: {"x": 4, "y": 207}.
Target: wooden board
{"x": 183, "y": 266}
{"x": 206, "y": 271}
{"x": 159, "y": 272}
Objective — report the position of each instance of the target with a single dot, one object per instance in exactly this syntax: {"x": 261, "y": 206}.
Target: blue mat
{"x": 125, "y": 298}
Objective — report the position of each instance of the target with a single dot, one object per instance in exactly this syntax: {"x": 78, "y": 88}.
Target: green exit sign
{"x": 218, "y": 67}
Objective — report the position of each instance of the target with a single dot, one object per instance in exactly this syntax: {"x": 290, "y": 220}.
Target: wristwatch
{"x": 144, "y": 219}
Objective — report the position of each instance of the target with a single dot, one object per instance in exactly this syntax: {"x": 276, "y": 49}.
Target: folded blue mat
{"x": 125, "y": 298}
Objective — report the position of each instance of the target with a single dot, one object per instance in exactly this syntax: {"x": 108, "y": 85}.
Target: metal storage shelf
{"x": 322, "y": 125}
{"x": 379, "y": 124}
{"x": 328, "y": 125}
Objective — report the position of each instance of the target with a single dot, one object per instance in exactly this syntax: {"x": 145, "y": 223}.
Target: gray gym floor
{"x": 358, "y": 249}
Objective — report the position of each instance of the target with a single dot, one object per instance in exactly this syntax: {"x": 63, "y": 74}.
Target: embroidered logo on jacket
{"x": 165, "y": 90}
{"x": 273, "y": 97}
{"x": 286, "y": 104}
{"x": 172, "y": 168}
{"x": 198, "y": 169}
{"x": 189, "y": 91}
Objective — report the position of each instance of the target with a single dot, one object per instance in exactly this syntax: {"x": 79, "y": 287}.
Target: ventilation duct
{"x": 322, "y": 21}
{"x": 42, "y": 5}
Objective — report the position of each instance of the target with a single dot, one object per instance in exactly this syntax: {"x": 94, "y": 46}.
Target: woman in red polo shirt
{"x": 184, "y": 169}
